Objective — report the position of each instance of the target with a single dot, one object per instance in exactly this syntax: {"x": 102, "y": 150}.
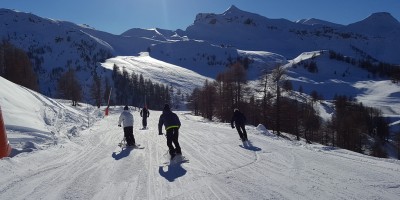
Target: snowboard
{"x": 137, "y": 146}
{"x": 249, "y": 146}
{"x": 177, "y": 159}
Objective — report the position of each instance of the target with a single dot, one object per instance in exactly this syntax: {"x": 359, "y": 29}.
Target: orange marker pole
{"x": 106, "y": 111}
{"x": 108, "y": 103}
{"x": 5, "y": 148}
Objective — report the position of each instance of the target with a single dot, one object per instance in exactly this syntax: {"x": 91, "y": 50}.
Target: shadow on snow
{"x": 249, "y": 146}
{"x": 122, "y": 154}
{"x": 173, "y": 172}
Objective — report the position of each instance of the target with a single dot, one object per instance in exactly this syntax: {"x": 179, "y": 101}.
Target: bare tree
{"x": 95, "y": 90}
{"x": 266, "y": 102}
{"x": 208, "y": 98}
{"x": 16, "y": 67}
{"x": 225, "y": 96}
{"x": 239, "y": 76}
{"x": 194, "y": 101}
{"x": 278, "y": 76}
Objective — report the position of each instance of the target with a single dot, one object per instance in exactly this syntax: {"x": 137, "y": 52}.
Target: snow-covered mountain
{"x": 54, "y": 46}
{"x": 250, "y": 31}
{"x": 341, "y": 78}
{"x": 206, "y": 46}
{"x": 376, "y": 25}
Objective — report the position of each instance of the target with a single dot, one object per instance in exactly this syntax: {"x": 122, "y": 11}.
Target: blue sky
{"x": 118, "y": 16}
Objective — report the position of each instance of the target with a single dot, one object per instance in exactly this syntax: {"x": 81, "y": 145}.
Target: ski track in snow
{"x": 92, "y": 166}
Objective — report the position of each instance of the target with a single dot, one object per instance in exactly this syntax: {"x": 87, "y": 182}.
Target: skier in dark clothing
{"x": 144, "y": 113}
{"x": 172, "y": 124}
{"x": 240, "y": 121}
{"x": 127, "y": 119}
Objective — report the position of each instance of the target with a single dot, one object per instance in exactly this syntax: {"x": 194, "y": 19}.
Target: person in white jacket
{"x": 126, "y": 118}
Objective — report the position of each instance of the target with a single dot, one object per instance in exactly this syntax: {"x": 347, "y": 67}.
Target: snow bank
{"x": 34, "y": 121}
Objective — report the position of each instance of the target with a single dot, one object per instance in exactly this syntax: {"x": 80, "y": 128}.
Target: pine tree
{"x": 69, "y": 87}
{"x": 95, "y": 90}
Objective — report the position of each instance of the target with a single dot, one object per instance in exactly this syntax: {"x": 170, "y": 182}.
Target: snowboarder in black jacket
{"x": 240, "y": 121}
{"x": 144, "y": 113}
{"x": 172, "y": 124}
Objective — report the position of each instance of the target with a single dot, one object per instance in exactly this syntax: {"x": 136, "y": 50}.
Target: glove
{"x": 119, "y": 125}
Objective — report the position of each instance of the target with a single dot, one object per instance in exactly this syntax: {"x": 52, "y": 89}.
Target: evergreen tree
{"x": 69, "y": 87}
{"x": 95, "y": 90}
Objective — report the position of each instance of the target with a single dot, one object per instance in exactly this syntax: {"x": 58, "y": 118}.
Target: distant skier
{"x": 172, "y": 124}
{"x": 240, "y": 121}
{"x": 127, "y": 119}
{"x": 144, "y": 113}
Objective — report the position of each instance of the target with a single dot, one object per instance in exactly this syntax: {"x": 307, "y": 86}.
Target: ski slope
{"x": 92, "y": 166}
{"x": 158, "y": 71}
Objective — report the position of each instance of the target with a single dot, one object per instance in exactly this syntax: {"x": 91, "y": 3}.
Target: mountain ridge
{"x": 377, "y": 24}
{"x": 209, "y": 44}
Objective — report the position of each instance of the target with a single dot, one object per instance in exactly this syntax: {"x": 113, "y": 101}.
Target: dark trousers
{"x": 172, "y": 137}
{"x": 128, "y": 133}
{"x": 144, "y": 122}
{"x": 242, "y": 131}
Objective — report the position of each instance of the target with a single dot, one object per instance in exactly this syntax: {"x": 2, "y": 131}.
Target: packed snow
{"x": 89, "y": 165}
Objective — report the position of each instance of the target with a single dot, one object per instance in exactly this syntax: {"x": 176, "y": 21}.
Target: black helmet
{"x": 166, "y": 107}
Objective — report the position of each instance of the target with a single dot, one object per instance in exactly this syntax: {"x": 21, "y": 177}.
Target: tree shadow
{"x": 249, "y": 146}
{"x": 122, "y": 154}
{"x": 173, "y": 172}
